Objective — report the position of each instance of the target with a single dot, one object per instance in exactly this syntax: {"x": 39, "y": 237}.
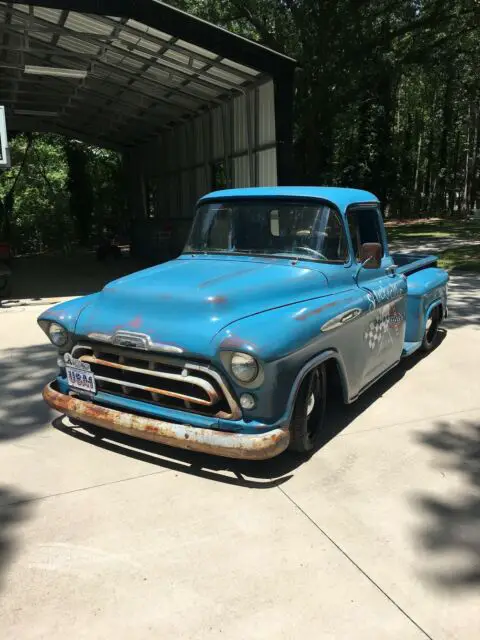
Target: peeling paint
{"x": 229, "y": 444}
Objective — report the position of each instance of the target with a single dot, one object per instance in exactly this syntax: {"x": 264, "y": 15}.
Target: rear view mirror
{"x": 371, "y": 255}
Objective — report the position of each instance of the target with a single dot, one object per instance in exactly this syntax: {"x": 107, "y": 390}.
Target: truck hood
{"x": 186, "y": 302}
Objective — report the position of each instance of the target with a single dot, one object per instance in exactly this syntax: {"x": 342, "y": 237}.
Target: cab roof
{"x": 339, "y": 196}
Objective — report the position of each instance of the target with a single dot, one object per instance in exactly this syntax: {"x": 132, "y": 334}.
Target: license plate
{"x": 79, "y": 375}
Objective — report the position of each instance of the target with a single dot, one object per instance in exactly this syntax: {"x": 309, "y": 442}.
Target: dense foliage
{"x": 388, "y": 95}
{"x": 387, "y": 98}
{"x": 59, "y": 192}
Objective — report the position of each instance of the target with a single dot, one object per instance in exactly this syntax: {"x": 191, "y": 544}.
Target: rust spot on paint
{"x": 309, "y": 313}
{"x": 236, "y": 445}
{"x": 217, "y": 299}
{"x": 235, "y": 342}
{"x": 136, "y": 322}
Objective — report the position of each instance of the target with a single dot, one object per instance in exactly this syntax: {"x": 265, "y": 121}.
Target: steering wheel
{"x": 312, "y": 251}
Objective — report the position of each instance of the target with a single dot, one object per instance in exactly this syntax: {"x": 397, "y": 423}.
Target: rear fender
{"x": 427, "y": 289}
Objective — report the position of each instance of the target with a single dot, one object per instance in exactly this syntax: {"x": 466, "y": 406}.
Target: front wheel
{"x": 431, "y": 330}
{"x": 309, "y": 411}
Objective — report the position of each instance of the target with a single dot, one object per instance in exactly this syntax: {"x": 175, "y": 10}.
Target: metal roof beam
{"x": 168, "y": 104}
{"x": 95, "y": 39}
{"x": 173, "y": 46}
{"x": 124, "y": 72}
{"x": 187, "y": 27}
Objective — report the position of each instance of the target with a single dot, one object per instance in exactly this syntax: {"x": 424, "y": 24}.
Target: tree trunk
{"x": 467, "y": 162}
{"x": 416, "y": 189}
{"x": 475, "y": 164}
{"x": 426, "y": 200}
{"x": 455, "y": 164}
{"x": 447, "y": 117}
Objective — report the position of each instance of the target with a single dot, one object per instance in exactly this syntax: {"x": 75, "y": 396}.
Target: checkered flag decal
{"x": 376, "y": 330}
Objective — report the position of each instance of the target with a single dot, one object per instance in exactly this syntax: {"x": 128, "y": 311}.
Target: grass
{"x": 466, "y": 258}
{"x": 436, "y": 228}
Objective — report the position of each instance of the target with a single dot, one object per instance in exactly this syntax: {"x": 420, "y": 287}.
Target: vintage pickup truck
{"x": 229, "y": 348}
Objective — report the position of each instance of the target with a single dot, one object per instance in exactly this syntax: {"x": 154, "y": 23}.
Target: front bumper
{"x": 222, "y": 443}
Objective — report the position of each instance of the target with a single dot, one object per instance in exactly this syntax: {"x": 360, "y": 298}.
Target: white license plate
{"x": 79, "y": 379}
{"x": 79, "y": 375}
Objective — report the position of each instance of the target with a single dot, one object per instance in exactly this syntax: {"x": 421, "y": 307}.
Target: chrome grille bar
{"x": 188, "y": 379}
{"x": 179, "y": 371}
{"x": 154, "y": 391}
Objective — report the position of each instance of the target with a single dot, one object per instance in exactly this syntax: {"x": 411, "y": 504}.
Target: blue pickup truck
{"x": 231, "y": 347}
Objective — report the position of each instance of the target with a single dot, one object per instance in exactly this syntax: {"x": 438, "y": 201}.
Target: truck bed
{"x": 409, "y": 263}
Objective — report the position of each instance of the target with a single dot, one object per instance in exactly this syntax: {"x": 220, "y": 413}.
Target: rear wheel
{"x": 309, "y": 412}
{"x": 431, "y": 330}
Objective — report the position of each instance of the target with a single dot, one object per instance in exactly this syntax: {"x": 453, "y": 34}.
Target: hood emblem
{"x": 131, "y": 340}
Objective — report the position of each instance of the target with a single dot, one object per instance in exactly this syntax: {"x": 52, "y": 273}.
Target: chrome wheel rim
{"x": 310, "y": 404}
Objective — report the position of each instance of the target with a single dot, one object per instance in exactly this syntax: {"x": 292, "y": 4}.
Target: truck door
{"x": 383, "y": 326}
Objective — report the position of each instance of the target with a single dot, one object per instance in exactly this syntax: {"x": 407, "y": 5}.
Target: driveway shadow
{"x": 14, "y": 508}
{"x": 50, "y": 276}
{"x": 263, "y": 474}
{"x": 23, "y": 374}
{"x": 463, "y": 300}
{"x": 452, "y": 525}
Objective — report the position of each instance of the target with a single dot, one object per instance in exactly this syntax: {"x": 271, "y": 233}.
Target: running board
{"x": 410, "y": 347}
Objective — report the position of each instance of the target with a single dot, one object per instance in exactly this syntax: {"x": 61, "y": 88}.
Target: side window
{"x": 335, "y": 242}
{"x": 364, "y": 226}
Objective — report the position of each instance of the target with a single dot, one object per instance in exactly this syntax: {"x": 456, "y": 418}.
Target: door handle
{"x": 391, "y": 269}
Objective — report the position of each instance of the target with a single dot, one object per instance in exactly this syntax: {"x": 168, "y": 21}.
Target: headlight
{"x": 57, "y": 334}
{"x": 244, "y": 367}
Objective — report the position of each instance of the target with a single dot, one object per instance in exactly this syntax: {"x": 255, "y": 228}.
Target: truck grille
{"x": 161, "y": 380}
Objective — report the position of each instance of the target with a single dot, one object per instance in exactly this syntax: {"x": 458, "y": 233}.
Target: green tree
{"x": 387, "y": 97}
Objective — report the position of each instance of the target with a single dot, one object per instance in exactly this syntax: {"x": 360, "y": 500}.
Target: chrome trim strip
{"x": 145, "y": 341}
{"x": 236, "y": 413}
{"x": 341, "y": 319}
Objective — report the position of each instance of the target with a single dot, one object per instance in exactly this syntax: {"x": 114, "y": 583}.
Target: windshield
{"x": 301, "y": 229}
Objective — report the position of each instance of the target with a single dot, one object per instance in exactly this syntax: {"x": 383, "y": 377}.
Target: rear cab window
{"x": 364, "y": 226}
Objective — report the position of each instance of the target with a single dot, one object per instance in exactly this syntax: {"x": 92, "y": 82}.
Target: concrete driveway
{"x": 376, "y": 536}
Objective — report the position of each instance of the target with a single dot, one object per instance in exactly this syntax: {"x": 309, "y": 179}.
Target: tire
{"x": 308, "y": 419}
{"x": 431, "y": 330}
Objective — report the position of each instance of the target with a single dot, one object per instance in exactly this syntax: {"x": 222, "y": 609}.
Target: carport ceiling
{"x": 115, "y": 72}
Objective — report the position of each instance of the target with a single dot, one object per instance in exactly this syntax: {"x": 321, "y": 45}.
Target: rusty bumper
{"x": 222, "y": 443}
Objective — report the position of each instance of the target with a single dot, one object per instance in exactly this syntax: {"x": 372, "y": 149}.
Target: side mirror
{"x": 371, "y": 255}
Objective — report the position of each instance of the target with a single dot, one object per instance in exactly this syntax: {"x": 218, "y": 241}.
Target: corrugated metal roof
{"x": 138, "y": 79}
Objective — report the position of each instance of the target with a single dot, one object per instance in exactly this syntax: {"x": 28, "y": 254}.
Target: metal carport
{"x": 192, "y": 106}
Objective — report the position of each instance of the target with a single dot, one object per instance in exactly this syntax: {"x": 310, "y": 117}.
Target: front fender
{"x": 67, "y": 313}
{"x": 285, "y": 341}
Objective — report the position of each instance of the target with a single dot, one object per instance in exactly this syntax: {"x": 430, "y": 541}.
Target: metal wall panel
{"x": 267, "y": 167}
{"x": 216, "y": 117}
{"x": 240, "y": 135}
{"x": 266, "y": 114}
{"x": 241, "y": 171}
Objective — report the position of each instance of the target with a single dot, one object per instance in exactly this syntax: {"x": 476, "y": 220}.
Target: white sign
{"x": 4, "y": 151}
